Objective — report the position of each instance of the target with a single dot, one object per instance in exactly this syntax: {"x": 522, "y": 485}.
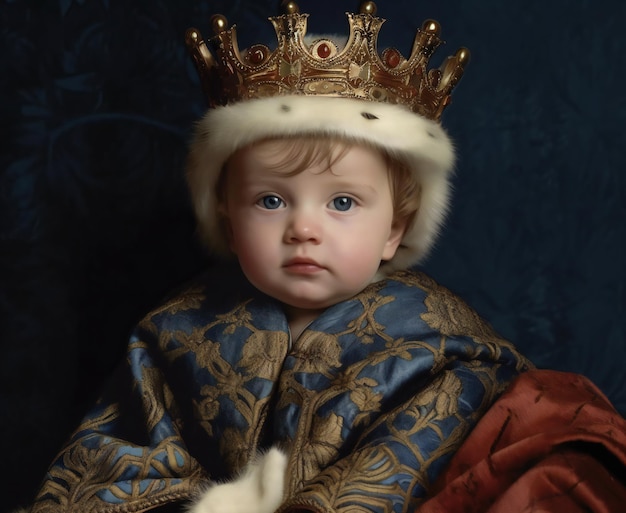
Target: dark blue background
{"x": 97, "y": 100}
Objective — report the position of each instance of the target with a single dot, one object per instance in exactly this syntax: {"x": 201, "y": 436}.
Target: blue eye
{"x": 271, "y": 202}
{"x": 342, "y": 203}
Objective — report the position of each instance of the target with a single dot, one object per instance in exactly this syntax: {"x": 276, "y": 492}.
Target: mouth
{"x": 302, "y": 266}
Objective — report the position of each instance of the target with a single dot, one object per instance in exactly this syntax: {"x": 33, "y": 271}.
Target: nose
{"x": 303, "y": 226}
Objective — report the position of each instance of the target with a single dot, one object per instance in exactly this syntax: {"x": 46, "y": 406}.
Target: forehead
{"x": 291, "y": 156}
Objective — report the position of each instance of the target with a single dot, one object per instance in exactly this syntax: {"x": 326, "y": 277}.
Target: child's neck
{"x": 299, "y": 319}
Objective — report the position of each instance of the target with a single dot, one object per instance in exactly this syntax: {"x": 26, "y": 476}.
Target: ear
{"x": 395, "y": 237}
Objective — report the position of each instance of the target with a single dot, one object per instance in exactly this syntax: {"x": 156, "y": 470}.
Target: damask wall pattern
{"x": 97, "y": 100}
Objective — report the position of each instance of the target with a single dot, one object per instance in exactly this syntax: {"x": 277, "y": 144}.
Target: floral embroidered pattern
{"x": 371, "y": 401}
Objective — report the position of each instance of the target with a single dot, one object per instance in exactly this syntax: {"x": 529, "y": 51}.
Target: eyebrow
{"x": 349, "y": 184}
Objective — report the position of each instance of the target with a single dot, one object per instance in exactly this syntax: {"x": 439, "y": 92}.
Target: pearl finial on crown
{"x": 290, "y": 7}
{"x": 368, "y": 8}
{"x": 219, "y": 23}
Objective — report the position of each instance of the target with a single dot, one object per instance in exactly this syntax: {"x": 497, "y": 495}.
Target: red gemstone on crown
{"x": 392, "y": 57}
{"x": 256, "y": 55}
{"x": 323, "y": 51}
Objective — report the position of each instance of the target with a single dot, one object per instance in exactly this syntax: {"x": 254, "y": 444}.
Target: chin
{"x": 314, "y": 303}
{"x": 306, "y": 304}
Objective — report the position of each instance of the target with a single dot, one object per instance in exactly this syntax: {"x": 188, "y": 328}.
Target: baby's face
{"x": 315, "y": 238}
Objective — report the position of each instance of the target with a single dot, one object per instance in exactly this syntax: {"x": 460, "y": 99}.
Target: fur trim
{"x": 422, "y": 143}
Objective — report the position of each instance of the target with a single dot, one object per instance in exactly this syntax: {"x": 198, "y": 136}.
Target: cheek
{"x": 366, "y": 246}
{"x": 243, "y": 242}
{"x": 250, "y": 241}
{"x": 360, "y": 250}
{"x": 241, "y": 235}
{"x": 249, "y": 256}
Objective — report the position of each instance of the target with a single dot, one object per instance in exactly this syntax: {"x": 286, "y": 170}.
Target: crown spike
{"x": 427, "y": 39}
{"x": 204, "y": 61}
{"x": 368, "y": 7}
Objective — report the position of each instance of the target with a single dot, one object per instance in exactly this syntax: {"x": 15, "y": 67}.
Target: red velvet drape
{"x": 551, "y": 443}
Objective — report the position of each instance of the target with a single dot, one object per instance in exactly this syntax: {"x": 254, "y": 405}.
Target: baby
{"x": 317, "y": 373}
{"x": 317, "y": 197}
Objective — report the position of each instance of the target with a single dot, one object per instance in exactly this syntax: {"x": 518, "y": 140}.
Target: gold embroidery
{"x": 86, "y": 470}
{"x": 236, "y": 449}
{"x": 317, "y": 352}
{"x": 239, "y": 317}
{"x": 320, "y": 447}
{"x": 340, "y": 399}
{"x": 206, "y": 410}
{"x": 365, "y": 326}
{"x": 153, "y": 397}
{"x": 191, "y": 299}
{"x": 451, "y": 316}
{"x": 358, "y": 479}
{"x": 366, "y": 400}
{"x": 437, "y": 401}
{"x": 263, "y": 353}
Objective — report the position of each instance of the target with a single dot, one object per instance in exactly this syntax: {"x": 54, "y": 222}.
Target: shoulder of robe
{"x": 446, "y": 311}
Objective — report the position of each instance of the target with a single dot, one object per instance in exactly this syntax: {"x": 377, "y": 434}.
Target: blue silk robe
{"x": 370, "y": 402}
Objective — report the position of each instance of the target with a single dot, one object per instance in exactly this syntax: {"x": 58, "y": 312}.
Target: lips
{"x": 302, "y": 266}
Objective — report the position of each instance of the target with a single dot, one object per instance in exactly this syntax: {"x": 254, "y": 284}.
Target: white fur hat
{"x": 419, "y": 142}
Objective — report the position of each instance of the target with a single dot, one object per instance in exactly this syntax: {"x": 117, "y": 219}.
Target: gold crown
{"x": 296, "y": 67}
